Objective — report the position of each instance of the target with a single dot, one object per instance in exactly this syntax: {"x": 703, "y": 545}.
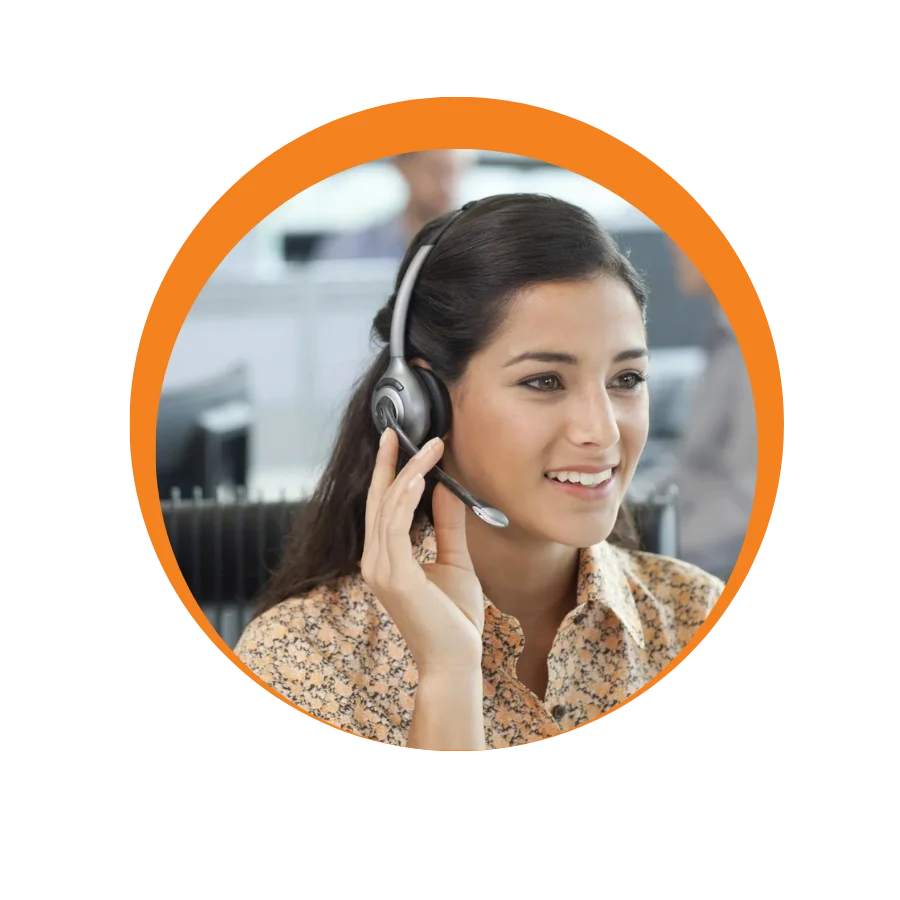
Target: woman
{"x": 400, "y": 616}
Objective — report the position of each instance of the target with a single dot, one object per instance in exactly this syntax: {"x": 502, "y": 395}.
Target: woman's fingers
{"x": 450, "y": 529}
{"x": 395, "y": 540}
{"x": 382, "y": 478}
{"x": 393, "y": 516}
{"x": 422, "y": 462}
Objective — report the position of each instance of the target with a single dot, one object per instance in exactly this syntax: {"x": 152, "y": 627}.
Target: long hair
{"x": 499, "y": 247}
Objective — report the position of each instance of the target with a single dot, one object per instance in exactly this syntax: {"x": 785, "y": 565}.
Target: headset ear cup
{"x": 439, "y": 402}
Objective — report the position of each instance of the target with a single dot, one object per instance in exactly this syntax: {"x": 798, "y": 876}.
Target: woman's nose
{"x": 593, "y": 420}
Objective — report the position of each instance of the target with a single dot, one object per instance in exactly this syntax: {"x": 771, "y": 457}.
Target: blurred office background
{"x": 264, "y": 364}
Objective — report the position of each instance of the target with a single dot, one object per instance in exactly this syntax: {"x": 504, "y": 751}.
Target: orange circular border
{"x": 438, "y": 123}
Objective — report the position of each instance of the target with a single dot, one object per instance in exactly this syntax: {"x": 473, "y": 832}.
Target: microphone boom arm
{"x": 481, "y": 509}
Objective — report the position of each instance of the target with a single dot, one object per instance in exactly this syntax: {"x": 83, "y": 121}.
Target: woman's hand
{"x": 437, "y": 607}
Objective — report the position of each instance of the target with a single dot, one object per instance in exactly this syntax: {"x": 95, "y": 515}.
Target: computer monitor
{"x": 203, "y": 434}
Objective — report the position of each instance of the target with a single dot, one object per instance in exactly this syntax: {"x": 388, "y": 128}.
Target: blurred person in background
{"x": 432, "y": 179}
{"x": 716, "y": 465}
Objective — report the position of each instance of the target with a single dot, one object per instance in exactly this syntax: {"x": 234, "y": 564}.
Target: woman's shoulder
{"x": 320, "y": 648}
{"x": 668, "y": 580}
{"x": 340, "y": 609}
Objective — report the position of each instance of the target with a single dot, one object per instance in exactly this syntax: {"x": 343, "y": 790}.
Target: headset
{"x": 413, "y": 400}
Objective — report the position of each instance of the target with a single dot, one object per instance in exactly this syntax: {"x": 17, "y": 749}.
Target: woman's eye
{"x": 544, "y": 383}
{"x": 630, "y": 380}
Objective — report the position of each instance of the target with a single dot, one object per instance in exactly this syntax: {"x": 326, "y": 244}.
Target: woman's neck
{"x": 532, "y": 581}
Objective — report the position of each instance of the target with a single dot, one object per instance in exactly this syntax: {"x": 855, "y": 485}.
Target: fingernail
{"x": 383, "y": 437}
{"x": 431, "y": 445}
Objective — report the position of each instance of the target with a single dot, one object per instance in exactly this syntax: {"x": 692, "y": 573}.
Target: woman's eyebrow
{"x": 633, "y": 353}
{"x": 551, "y": 356}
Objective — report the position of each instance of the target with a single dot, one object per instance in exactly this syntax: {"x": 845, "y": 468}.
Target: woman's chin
{"x": 571, "y": 530}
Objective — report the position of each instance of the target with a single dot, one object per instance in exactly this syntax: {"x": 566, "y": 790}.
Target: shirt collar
{"x": 602, "y": 577}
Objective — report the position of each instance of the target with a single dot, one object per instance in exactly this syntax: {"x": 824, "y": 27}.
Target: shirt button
{"x": 579, "y": 618}
{"x": 558, "y": 712}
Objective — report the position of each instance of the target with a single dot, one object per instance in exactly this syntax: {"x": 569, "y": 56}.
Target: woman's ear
{"x": 418, "y": 361}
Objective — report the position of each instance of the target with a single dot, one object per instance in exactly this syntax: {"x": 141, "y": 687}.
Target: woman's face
{"x": 560, "y": 389}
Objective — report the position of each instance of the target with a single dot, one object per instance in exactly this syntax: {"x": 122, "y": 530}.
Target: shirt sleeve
{"x": 293, "y": 654}
{"x": 261, "y": 649}
{"x": 305, "y": 660}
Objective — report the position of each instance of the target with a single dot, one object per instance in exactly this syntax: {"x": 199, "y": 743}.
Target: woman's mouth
{"x": 584, "y": 485}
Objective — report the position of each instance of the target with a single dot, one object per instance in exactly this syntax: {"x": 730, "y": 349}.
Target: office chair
{"x": 226, "y": 550}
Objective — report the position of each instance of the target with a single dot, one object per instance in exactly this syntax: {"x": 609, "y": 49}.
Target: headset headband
{"x": 408, "y": 283}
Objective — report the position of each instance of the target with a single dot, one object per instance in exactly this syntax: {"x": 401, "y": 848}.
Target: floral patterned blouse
{"x": 336, "y": 653}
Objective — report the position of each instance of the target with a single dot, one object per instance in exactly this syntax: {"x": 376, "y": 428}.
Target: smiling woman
{"x": 397, "y": 616}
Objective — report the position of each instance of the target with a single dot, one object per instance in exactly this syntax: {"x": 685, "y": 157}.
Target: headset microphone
{"x": 413, "y": 400}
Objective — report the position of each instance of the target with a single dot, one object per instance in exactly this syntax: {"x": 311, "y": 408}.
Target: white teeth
{"x": 581, "y": 477}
